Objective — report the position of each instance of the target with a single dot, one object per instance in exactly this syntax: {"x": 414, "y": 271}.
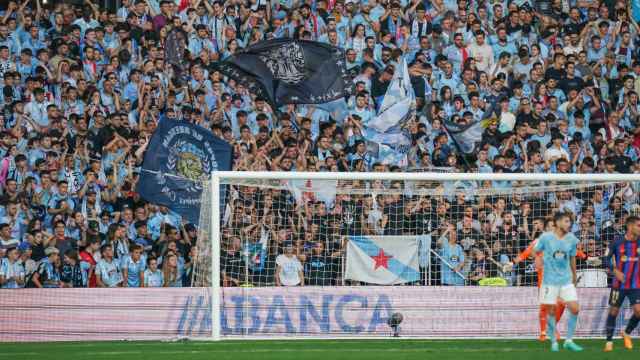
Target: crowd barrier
{"x": 170, "y": 313}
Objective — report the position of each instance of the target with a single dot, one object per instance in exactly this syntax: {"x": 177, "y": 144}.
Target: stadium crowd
{"x": 556, "y": 83}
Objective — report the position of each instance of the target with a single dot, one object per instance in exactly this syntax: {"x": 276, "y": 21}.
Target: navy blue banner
{"x": 287, "y": 71}
{"x": 179, "y": 157}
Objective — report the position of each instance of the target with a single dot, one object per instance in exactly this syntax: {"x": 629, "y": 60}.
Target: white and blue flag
{"x": 389, "y": 155}
{"x": 383, "y": 260}
{"x": 396, "y": 109}
{"x": 398, "y": 105}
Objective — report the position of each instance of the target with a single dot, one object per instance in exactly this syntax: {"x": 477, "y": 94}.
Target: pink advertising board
{"x": 166, "y": 313}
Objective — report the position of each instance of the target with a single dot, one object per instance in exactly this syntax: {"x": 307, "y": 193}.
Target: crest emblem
{"x": 190, "y": 166}
{"x": 286, "y": 63}
{"x": 187, "y": 161}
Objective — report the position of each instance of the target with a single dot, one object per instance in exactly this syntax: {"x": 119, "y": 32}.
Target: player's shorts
{"x": 550, "y": 294}
{"x": 617, "y": 296}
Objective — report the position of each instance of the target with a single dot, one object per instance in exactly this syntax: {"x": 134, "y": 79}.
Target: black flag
{"x": 287, "y": 71}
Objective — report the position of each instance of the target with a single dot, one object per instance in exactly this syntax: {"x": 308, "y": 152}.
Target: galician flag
{"x": 382, "y": 260}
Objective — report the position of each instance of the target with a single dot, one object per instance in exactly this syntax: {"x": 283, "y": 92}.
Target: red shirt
{"x": 86, "y": 257}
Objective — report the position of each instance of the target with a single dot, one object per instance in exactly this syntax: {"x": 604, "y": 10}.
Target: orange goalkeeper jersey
{"x": 538, "y": 257}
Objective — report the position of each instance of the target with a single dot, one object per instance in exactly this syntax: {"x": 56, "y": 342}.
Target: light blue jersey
{"x": 109, "y": 273}
{"x": 454, "y": 255}
{"x": 133, "y": 270}
{"x": 557, "y": 258}
{"x": 153, "y": 278}
{"x": 11, "y": 270}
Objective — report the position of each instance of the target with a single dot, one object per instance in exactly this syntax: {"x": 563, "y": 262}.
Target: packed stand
{"x": 84, "y": 88}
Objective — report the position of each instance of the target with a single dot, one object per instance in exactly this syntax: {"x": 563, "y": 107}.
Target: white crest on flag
{"x": 286, "y": 63}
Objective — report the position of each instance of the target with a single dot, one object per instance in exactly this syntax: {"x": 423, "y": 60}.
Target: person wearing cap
{"x": 47, "y": 274}
{"x": 12, "y": 272}
{"x": 289, "y": 270}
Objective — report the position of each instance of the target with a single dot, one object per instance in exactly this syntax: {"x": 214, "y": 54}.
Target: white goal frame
{"x": 387, "y": 176}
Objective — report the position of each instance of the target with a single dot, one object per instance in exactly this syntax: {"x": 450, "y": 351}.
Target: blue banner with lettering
{"x": 179, "y": 157}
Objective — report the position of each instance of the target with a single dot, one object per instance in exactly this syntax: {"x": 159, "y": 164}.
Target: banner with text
{"x": 165, "y": 313}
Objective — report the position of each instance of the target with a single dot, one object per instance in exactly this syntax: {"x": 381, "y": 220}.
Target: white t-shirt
{"x": 507, "y": 122}
{"x": 555, "y": 152}
{"x": 289, "y": 270}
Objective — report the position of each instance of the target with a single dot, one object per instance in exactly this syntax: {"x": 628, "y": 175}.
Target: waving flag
{"x": 396, "y": 109}
{"x": 392, "y": 155}
{"x": 337, "y": 109}
{"x": 382, "y": 260}
{"x": 288, "y": 71}
{"x": 466, "y": 136}
{"x": 399, "y": 102}
{"x": 179, "y": 157}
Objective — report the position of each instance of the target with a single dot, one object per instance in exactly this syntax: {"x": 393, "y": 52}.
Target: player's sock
{"x": 571, "y": 326}
{"x": 611, "y": 326}
{"x": 543, "y": 318}
{"x": 551, "y": 327}
{"x": 559, "y": 311}
{"x": 633, "y": 323}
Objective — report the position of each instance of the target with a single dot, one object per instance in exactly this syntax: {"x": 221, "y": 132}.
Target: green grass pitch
{"x": 392, "y": 349}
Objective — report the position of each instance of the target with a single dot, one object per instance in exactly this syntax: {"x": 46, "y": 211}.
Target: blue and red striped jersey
{"x": 627, "y": 260}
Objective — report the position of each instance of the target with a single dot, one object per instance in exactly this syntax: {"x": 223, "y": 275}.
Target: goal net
{"x": 338, "y": 254}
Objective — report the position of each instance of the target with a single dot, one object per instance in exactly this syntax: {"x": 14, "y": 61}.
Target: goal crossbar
{"x": 426, "y": 176}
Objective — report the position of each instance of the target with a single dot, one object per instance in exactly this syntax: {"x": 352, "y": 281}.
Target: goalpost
{"x": 438, "y": 248}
